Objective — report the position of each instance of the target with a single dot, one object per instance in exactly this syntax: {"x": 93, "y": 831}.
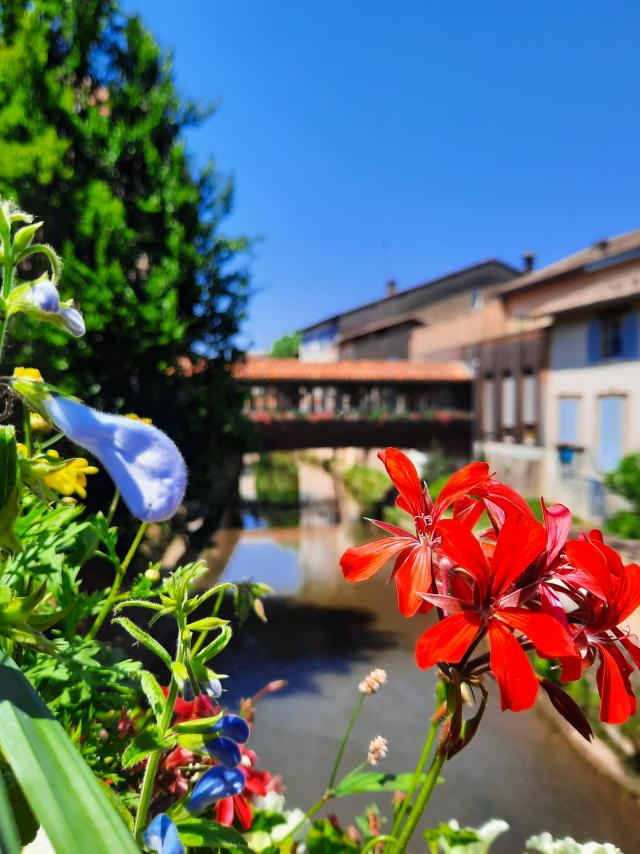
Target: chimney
{"x": 528, "y": 260}
{"x": 392, "y": 288}
{"x": 602, "y": 245}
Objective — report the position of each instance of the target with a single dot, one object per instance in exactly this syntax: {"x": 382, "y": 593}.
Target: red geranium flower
{"x": 481, "y": 604}
{"x": 413, "y": 552}
{"x": 597, "y": 619}
{"x": 258, "y": 783}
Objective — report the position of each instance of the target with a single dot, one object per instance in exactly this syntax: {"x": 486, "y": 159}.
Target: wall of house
{"x": 452, "y": 326}
{"x": 391, "y": 343}
{"x": 319, "y": 344}
{"x": 576, "y": 415}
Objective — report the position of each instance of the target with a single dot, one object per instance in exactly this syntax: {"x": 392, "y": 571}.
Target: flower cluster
{"x": 373, "y": 682}
{"x": 493, "y": 573}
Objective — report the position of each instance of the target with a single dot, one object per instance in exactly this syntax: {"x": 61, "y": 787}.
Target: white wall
{"x": 570, "y": 376}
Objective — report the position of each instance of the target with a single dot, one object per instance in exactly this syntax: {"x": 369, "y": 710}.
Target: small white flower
{"x": 144, "y": 463}
{"x": 544, "y": 843}
{"x": 271, "y": 802}
{"x": 373, "y": 682}
{"x": 378, "y": 748}
{"x": 43, "y": 300}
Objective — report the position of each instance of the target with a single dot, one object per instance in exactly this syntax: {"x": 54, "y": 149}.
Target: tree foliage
{"x": 286, "y": 347}
{"x": 92, "y": 141}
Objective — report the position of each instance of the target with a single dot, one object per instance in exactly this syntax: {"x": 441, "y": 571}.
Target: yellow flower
{"x": 37, "y": 422}
{"x": 71, "y": 477}
{"x": 28, "y": 374}
{"x": 138, "y": 418}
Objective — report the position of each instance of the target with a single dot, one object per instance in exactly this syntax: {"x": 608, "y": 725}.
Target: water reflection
{"x": 323, "y": 635}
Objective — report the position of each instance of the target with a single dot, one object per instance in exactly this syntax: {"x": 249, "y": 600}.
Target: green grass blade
{"x": 9, "y": 837}
{"x": 60, "y": 788}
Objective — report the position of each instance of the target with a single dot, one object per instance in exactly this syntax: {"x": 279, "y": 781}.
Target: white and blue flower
{"x": 162, "y": 836}
{"x": 41, "y": 299}
{"x": 143, "y": 462}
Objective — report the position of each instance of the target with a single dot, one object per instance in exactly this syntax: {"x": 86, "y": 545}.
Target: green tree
{"x": 286, "y": 347}
{"x": 92, "y": 141}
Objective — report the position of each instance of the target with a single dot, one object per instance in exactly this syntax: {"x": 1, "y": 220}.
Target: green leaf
{"x": 153, "y": 693}
{"x": 148, "y": 742}
{"x": 449, "y": 835}
{"x": 9, "y": 836}
{"x": 201, "y": 833}
{"x": 324, "y": 838}
{"x": 216, "y": 646}
{"x": 63, "y": 794}
{"x": 197, "y": 725}
{"x": 145, "y": 639}
{"x": 372, "y": 781}
{"x": 24, "y": 236}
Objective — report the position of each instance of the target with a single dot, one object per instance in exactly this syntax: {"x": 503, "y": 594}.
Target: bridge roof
{"x": 269, "y": 370}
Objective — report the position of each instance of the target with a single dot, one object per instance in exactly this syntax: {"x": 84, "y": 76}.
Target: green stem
{"x": 415, "y": 780}
{"x": 203, "y": 634}
{"x": 117, "y": 581}
{"x": 345, "y": 739}
{"x": 421, "y": 802}
{"x": 309, "y": 813}
{"x": 7, "y": 284}
{"x": 151, "y": 770}
{"x": 113, "y": 507}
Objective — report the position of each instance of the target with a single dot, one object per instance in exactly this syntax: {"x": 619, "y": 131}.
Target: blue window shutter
{"x": 630, "y": 335}
{"x": 594, "y": 340}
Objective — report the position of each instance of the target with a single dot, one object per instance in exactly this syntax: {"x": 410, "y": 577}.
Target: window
{"x": 489, "y": 405}
{"x": 568, "y": 420}
{"x": 477, "y": 299}
{"x": 529, "y": 398}
{"x": 610, "y": 424}
{"x": 613, "y": 336}
{"x": 508, "y": 401}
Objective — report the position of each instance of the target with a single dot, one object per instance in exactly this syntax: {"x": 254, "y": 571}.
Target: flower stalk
{"x": 121, "y": 571}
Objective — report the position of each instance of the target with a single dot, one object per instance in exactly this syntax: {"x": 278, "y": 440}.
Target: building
{"x": 384, "y": 328}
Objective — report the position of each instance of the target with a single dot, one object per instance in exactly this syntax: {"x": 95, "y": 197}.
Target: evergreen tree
{"x": 91, "y": 141}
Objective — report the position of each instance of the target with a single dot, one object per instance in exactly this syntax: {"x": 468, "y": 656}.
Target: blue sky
{"x": 376, "y": 140}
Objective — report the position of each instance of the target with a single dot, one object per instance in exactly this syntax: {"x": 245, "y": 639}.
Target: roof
{"x": 431, "y": 282}
{"x": 601, "y": 254}
{"x": 380, "y": 326}
{"x": 267, "y": 370}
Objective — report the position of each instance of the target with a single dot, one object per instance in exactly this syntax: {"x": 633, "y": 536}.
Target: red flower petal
{"x": 617, "y": 702}
{"x": 512, "y": 669}
{"x": 627, "y": 594}
{"x": 244, "y": 811}
{"x": 224, "y": 811}
{"x": 546, "y": 633}
{"x": 461, "y": 483}
{"x": 361, "y": 562}
{"x": 405, "y": 479}
{"x": 557, "y": 520}
{"x": 413, "y": 576}
{"x": 448, "y": 640}
{"x": 593, "y": 571}
{"x": 520, "y": 542}
{"x": 459, "y": 544}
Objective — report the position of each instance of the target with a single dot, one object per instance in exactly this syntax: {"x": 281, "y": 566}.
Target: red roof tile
{"x": 265, "y": 370}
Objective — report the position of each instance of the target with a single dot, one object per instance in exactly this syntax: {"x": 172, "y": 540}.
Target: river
{"x": 323, "y": 635}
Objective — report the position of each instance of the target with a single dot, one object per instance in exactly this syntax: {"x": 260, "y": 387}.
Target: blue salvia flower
{"x": 219, "y": 782}
{"x": 162, "y": 836}
{"x": 42, "y": 300}
{"x": 145, "y": 465}
{"x": 225, "y": 750}
{"x": 232, "y": 726}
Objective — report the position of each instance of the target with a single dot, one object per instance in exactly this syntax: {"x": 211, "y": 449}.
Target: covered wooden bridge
{"x": 365, "y": 403}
